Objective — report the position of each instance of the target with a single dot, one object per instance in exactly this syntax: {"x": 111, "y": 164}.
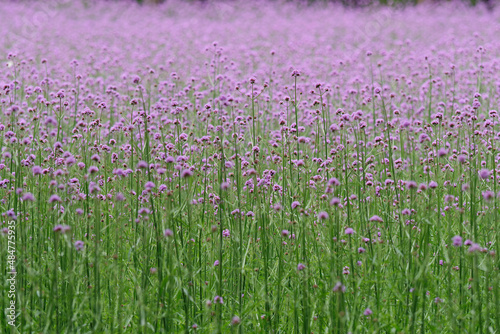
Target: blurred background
{"x": 350, "y": 3}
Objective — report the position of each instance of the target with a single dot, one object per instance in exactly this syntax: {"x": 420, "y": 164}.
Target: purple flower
{"x": 93, "y": 169}
{"x": 457, "y": 241}
{"x": 79, "y": 245}
{"x": 376, "y": 219}
{"x": 411, "y": 185}
{"x": 235, "y": 321}
{"x": 37, "y": 170}
{"x": 335, "y": 201}
{"x": 488, "y": 195}
{"x": 484, "y": 174}
{"x": 186, "y": 173}
{"x": 216, "y": 263}
{"x": 54, "y": 198}
{"x": 168, "y": 233}
{"x": 339, "y": 287}
{"x": 226, "y": 233}
{"x": 301, "y": 267}
{"x": 295, "y": 204}
{"x": 349, "y": 231}
{"x": 28, "y": 197}
{"x": 144, "y": 211}
{"x": 323, "y": 215}
{"x": 94, "y": 188}
{"x": 367, "y": 312}
{"x": 442, "y": 152}
{"x": 61, "y": 228}
{"x": 142, "y": 165}
{"x": 333, "y": 182}
{"x": 475, "y": 248}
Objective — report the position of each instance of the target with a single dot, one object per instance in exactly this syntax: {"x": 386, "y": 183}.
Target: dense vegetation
{"x": 251, "y": 169}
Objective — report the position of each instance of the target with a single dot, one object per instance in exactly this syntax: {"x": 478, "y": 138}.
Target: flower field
{"x": 249, "y": 167}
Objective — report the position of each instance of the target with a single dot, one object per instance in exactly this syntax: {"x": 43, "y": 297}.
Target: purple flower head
{"x": 94, "y": 188}
{"x": 442, "y": 152}
{"x": 488, "y": 195}
{"x": 433, "y": 184}
{"x": 349, "y": 231}
{"x": 186, "y": 173}
{"x": 54, "y": 198}
{"x": 301, "y": 267}
{"x": 216, "y": 263}
{"x": 323, "y": 215}
{"x": 484, "y": 174}
{"x": 367, "y": 312}
{"x": 475, "y": 248}
{"x": 142, "y": 164}
{"x": 333, "y": 182}
{"x": 93, "y": 169}
{"x": 295, "y": 204}
{"x": 457, "y": 241}
{"x": 79, "y": 245}
{"x": 144, "y": 211}
{"x": 28, "y": 197}
{"x": 376, "y": 219}
{"x": 37, "y": 170}
{"x": 339, "y": 287}
{"x": 61, "y": 228}
{"x": 335, "y": 201}
{"x": 226, "y": 233}
{"x": 168, "y": 233}
{"x": 235, "y": 321}
{"x": 411, "y": 185}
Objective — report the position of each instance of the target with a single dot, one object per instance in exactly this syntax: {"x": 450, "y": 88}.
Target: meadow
{"x": 249, "y": 167}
